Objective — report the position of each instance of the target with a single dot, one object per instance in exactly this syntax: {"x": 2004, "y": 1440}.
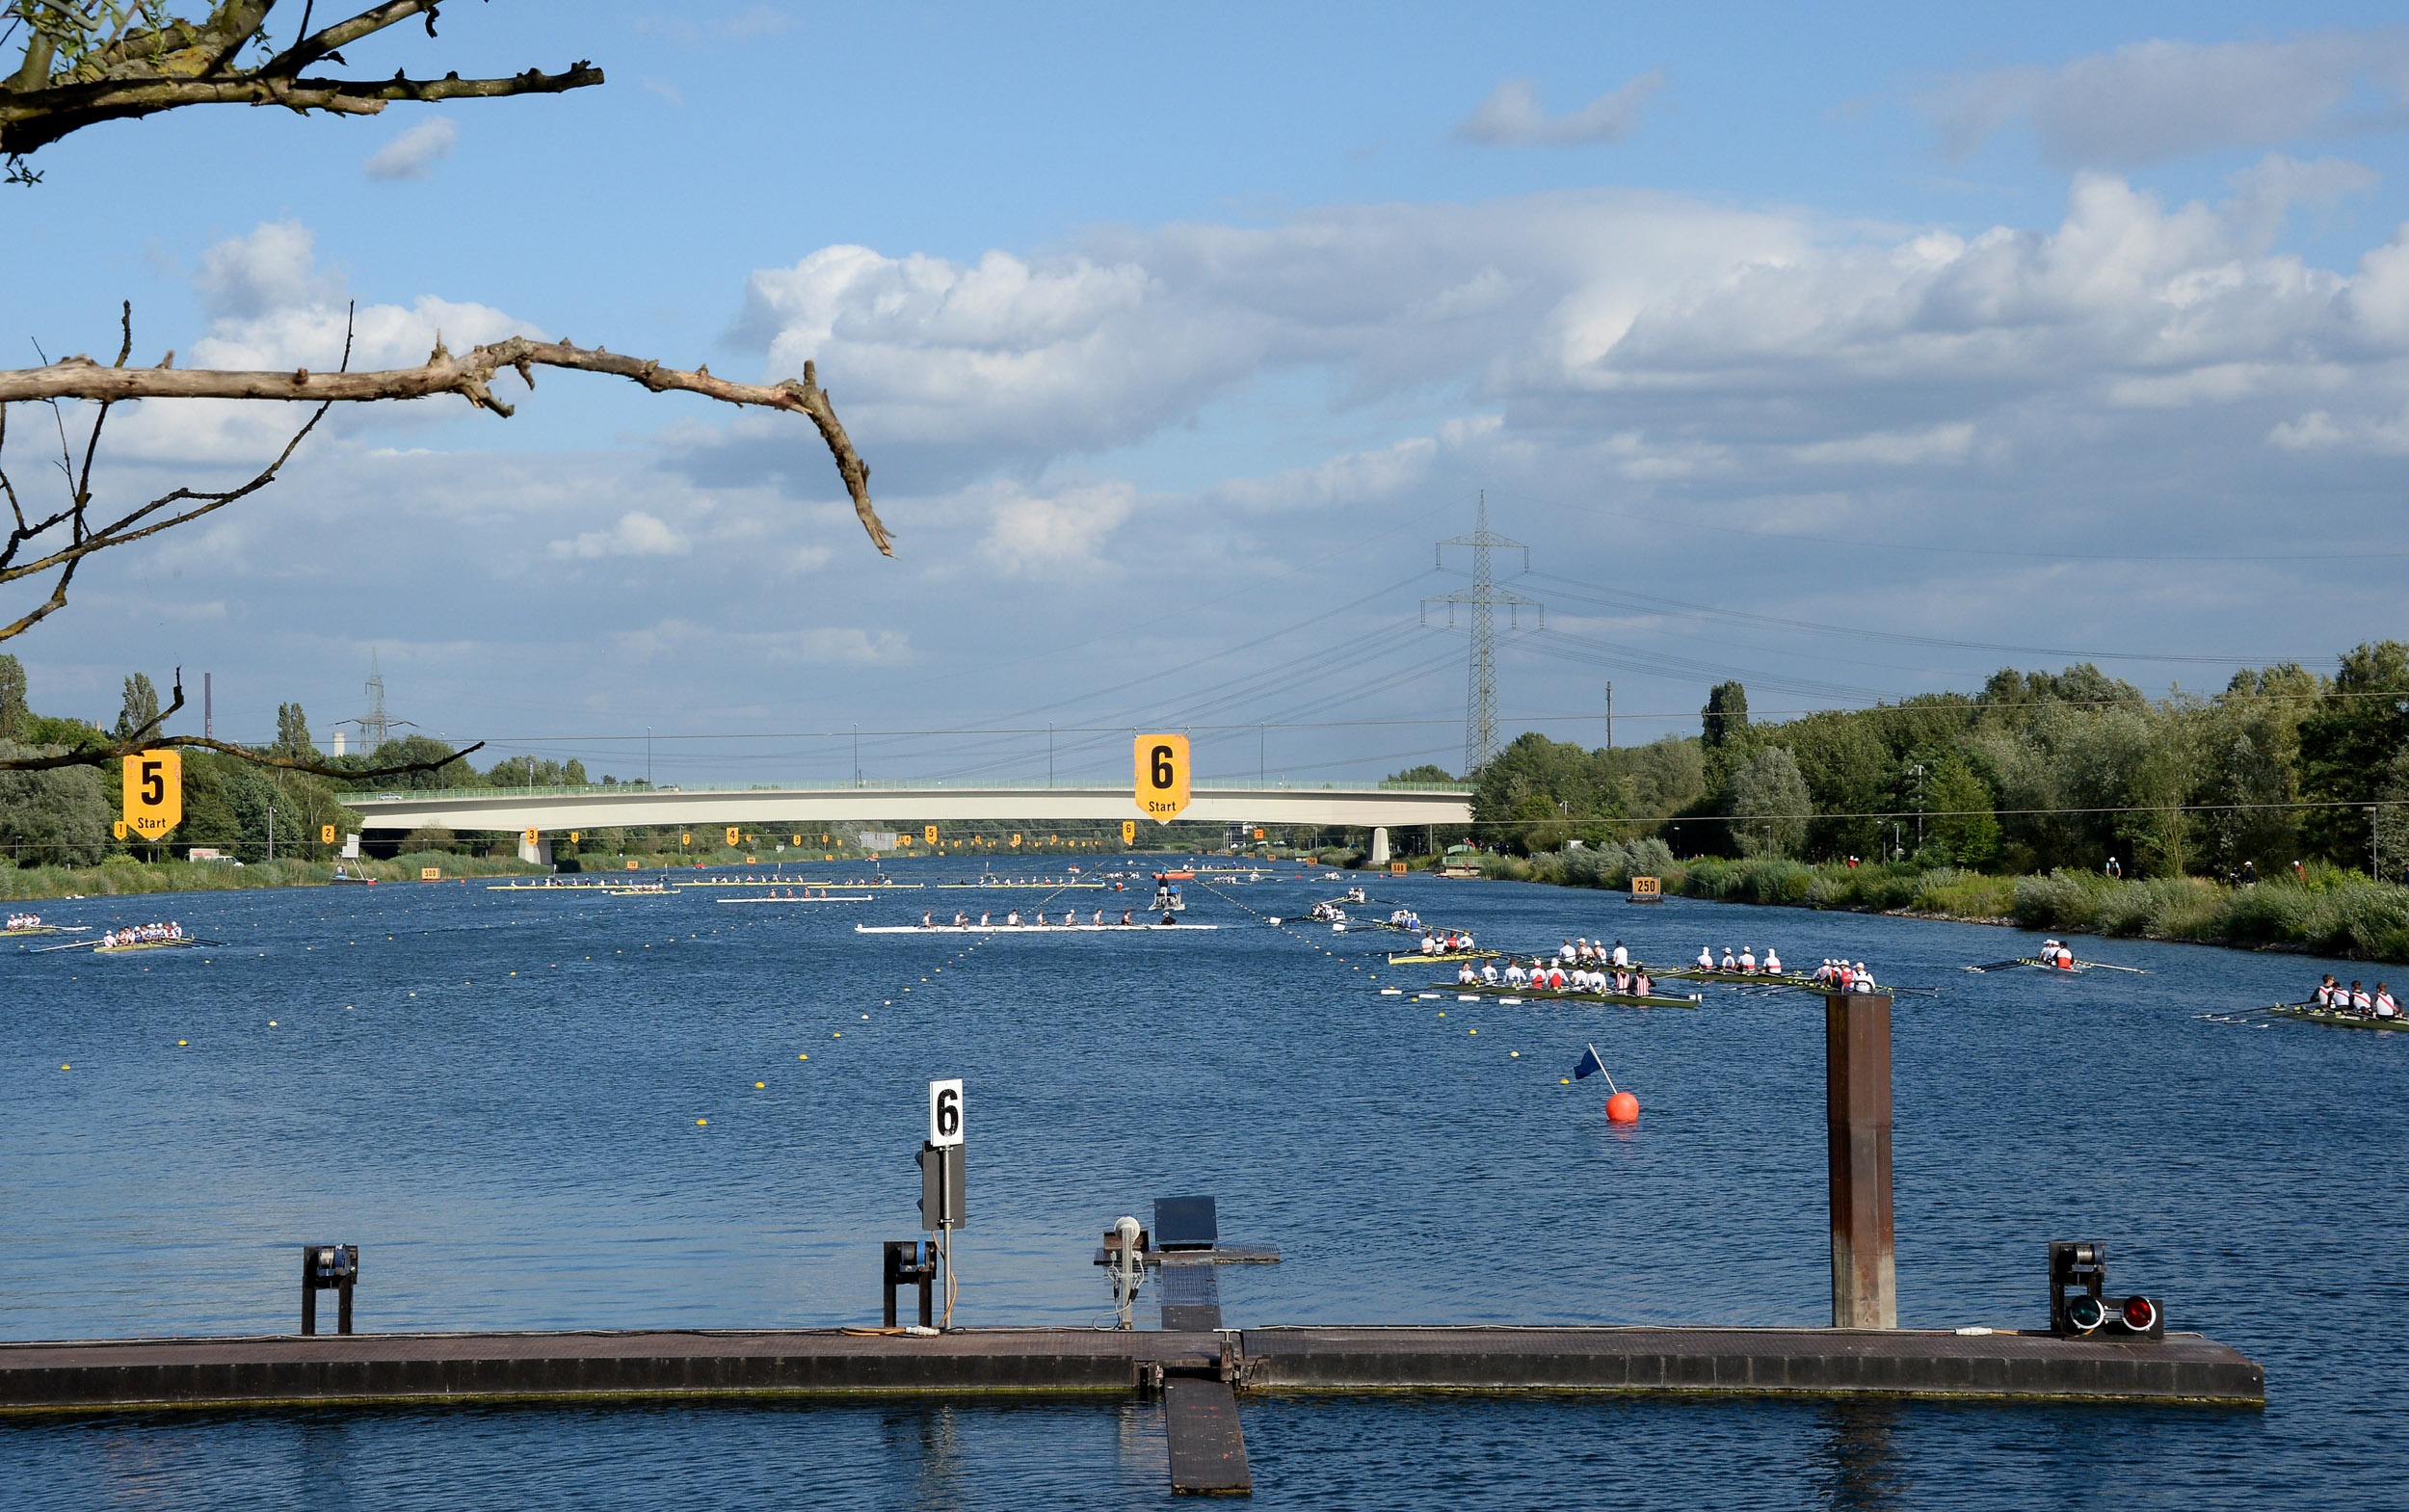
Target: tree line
{"x": 2037, "y": 770}
{"x": 67, "y": 816}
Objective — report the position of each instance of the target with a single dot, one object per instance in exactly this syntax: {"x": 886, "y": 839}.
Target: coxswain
{"x": 1170, "y": 917}
{"x": 1622, "y": 957}
{"x": 1748, "y": 960}
{"x": 1706, "y": 958}
{"x": 1125, "y": 916}
{"x": 1773, "y": 962}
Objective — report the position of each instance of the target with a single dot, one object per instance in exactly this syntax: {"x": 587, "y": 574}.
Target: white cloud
{"x": 1033, "y": 536}
{"x": 413, "y": 153}
{"x": 2150, "y": 101}
{"x": 272, "y": 307}
{"x": 637, "y": 534}
{"x": 1939, "y": 443}
{"x": 1512, "y": 115}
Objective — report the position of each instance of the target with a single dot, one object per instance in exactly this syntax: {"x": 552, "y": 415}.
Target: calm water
{"x": 499, "y": 1096}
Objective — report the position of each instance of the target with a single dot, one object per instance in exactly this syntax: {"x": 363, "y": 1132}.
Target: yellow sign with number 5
{"x": 154, "y": 792}
{"x": 1162, "y": 775}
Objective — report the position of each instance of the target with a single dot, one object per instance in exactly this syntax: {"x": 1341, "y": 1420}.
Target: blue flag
{"x": 1590, "y": 1065}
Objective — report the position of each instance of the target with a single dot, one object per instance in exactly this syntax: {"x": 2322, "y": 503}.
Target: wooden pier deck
{"x": 114, "y": 1375}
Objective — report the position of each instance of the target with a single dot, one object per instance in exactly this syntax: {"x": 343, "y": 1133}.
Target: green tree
{"x": 1959, "y": 812}
{"x": 292, "y": 733}
{"x": 140, "y": 707}
{"x": 2346, "y": 743}
{"x": 14, "y": 713}
{"x": 60, "y": 817}
{"x": 1770, "y": 805}
{"x": 1425, "y": 773}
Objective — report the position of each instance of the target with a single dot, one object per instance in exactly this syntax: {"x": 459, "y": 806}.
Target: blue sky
{"x": 1934, "y": 342}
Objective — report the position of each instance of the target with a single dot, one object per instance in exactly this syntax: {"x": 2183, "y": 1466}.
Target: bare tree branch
{"x": 470, "y": 374}
{"x": 72, "y": 77}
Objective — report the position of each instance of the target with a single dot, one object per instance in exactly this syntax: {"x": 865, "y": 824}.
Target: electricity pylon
{"x": 1480, "y": 604}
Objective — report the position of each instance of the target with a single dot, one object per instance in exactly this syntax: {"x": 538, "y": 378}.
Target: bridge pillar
{"x": 1380, "y": 847}
{"x": 536, "y": 852}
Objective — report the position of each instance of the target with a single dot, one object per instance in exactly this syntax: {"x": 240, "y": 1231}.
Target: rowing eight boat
{"x": 1409, "y": 957}
{"x": 1021, "y": 929}
{"x": 1568, "y": 994}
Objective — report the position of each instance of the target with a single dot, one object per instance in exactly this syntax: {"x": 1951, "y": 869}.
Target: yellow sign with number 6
{"x": 1162, "y": 775}
{"x": 154, "y": 792}
{"x": 1129, "y": 832}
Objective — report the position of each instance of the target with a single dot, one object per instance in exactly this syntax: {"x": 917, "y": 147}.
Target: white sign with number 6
{"x": 946, "y": 1112}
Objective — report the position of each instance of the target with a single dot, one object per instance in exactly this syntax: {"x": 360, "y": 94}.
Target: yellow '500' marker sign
{"x": 154, "y": 792}
{"x": 1162, "y": 762}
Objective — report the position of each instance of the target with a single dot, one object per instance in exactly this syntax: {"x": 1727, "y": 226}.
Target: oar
{"x": 2104, "y": 966}
{"x": 72, "y": 945}
{"x": 1998, "y": 966}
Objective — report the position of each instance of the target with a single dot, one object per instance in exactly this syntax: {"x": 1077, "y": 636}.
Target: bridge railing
{"x": 882, "y": 784}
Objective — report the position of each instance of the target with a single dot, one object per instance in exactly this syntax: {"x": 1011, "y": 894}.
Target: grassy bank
{"x": 2328, "y": 911}
{"x": 123, "y": 877}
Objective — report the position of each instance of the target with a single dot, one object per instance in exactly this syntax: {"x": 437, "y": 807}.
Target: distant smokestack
{"x": 208, "y": 726}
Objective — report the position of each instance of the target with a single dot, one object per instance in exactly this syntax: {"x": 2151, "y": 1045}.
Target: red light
{"x": 2141, "y": 1314}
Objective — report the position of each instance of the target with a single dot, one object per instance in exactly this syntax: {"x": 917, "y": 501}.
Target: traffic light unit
{"x": 2080, "y": 1309}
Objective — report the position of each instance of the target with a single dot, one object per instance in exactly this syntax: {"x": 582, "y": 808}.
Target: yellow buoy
{"x": 759, "y": 1085}
{"x": 179, "y": 1042}
{"x": 700, "y": 1121}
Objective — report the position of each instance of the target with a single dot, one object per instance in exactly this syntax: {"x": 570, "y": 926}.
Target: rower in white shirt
{"x": 1706, "y": 958}
{"x": 1729, "y": 964}
{"x": 1515, "y": 975}
{"x": 1489, "y": 972}
{"x": 1622, "y": 957}
{"x": 1748, "y": 960}
{"x": 1567, "y": 954}
{"x": 1773, "y": 962}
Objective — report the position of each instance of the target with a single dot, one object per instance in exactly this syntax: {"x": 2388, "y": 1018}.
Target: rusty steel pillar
{"x": 1857, "y": 1116}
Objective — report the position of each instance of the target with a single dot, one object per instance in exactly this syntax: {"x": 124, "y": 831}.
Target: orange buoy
{"x": 1622, "y": 1108}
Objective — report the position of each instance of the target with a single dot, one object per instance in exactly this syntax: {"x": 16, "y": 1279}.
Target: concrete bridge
{"x": 560, "y": 809}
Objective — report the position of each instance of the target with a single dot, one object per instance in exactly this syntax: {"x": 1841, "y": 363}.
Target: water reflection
{"x": 1856, "y": 1461}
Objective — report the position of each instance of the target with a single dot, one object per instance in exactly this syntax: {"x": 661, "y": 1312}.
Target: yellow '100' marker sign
{"x": 1162, "y": 781}
{"x": 154, "y": 792}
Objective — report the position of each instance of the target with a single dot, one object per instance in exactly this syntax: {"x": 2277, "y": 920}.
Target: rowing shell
{"x": 1691, "y": 973}
{"x": 982, "y": 887}
{"x": 1631, "y": 999}
{"x": 1409, "y": 957}
{"x": 1021, "y": 929}
{"x": 151, "y": 944}
{"x": 2340, "y": 1021}
{"x": 46, "y": 929}
{"x": 825, "y": 897}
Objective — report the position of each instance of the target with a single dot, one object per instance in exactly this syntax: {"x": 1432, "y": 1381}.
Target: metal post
{"x": 310, "y": 1293}
{"x": 272, "y": 833}
{"x": 1609, "y": 716}
{"x": 1857, "y": 1116}
{"x": 208, "y": 709}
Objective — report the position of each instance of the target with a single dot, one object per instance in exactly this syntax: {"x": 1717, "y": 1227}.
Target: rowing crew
{"x": 1841, "y": 977}
{"x": 1013, "y": 921}
{"x": 1546, "y": 976}
{"x": 25, "y": 921}
{"x": 2333, "y": 997}
{"x": 1586, "y": 952}
{"x": 1447, "y": 943}
{"x": 142, "y": 935}
{"x": 2056, "y": 956}
{"x": 1327, "y": 914}
{"x": 1406, "y": 918}
{"x": 1745, "y": 964}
